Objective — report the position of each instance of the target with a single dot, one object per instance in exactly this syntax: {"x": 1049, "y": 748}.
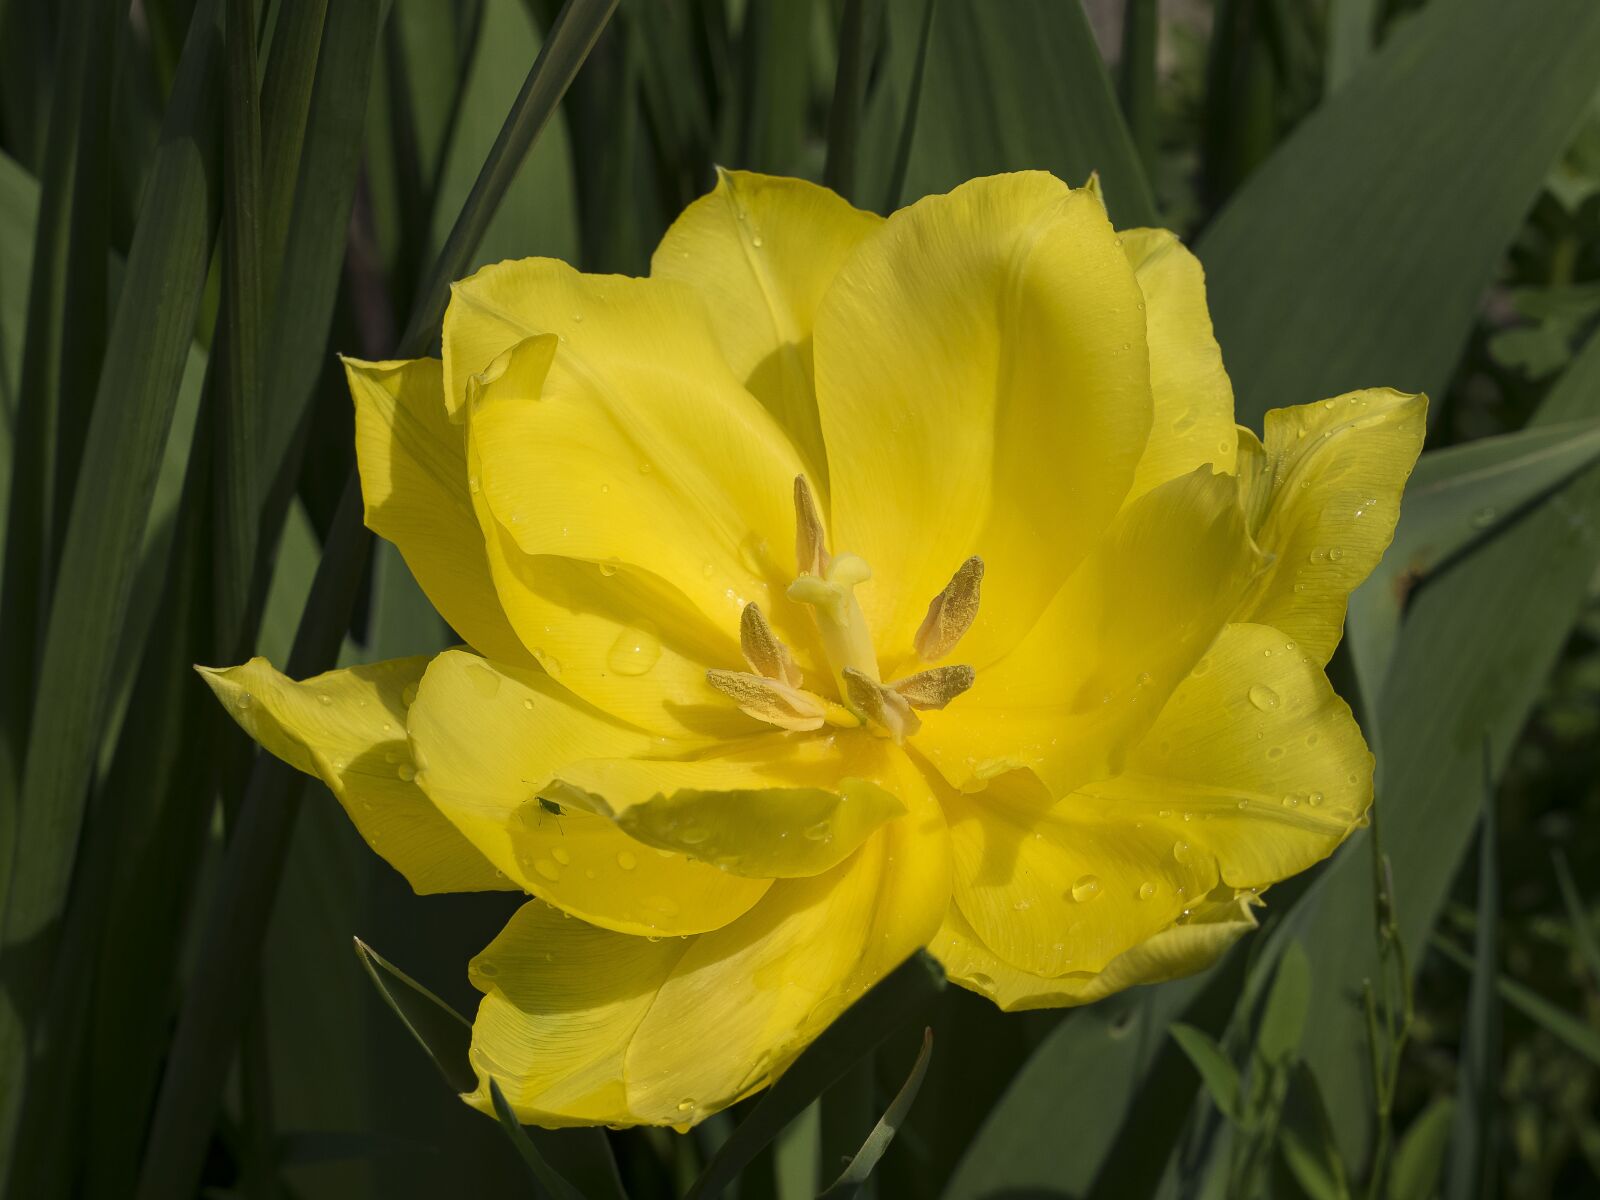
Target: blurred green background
{"x": 202, "y": 200}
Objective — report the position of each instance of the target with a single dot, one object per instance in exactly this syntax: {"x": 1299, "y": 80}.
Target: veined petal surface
{"x": 984, "y": 389}
{"x": 413, "y": 466}
{"x": 1253, "y": 771}
{"x": 1089, "y": 678}
{"x": 489, "y": 738}
{"x": 696, "y": 1024}
{"x": 1192, "y": 421}
{"x": 1178, "y": 950}
{"x": 1323, "y": 494}
{"x": 348, "y": 728}
{"x": 760, "y": 251}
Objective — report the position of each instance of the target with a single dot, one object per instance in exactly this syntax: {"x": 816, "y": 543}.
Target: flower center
{"x": 772, "y": 690}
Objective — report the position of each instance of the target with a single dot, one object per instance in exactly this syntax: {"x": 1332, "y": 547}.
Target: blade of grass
{"x": 849, "y": 89}
{"x": 1583, "y": 936}
{"x": 438, "y": 1028}
{"x": 1470, "y": 1165}
{"x": 903, "y": 995}
{"x": 1136, "y": 76}
{"x": 548, "y": 1183}
{"x": 860, "y": 1168}
{"x": 775, "y": 87}
{"x": 908, "y": 123}
{"x": 143, "y": 367}
{"x": 1574, "y": 1032}
{"x": 208, "y": 1023}
{"x": 67, "y": 285}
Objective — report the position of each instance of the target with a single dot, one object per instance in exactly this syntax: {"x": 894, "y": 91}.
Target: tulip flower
{"x": 847, "y": 587}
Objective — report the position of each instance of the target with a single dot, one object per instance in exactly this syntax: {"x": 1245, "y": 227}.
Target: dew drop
{"x": 547, "y": 868}
{"x": 820, "y": 832}
{"x": 1314, "y": 799}
{"x": 1291, "y": 801}
{"x": 693, "y": 835}
{"x": 756, "y": 241}
{"x": 1275, "y": 753}
{"x": 645, "y": 468}
{"x": 528, "y": 704}
{"x": 1146, "y": 890}
{"x": 1244, "y": 804}
{"x": 1086, "y": 889}
{"x": 1263, "y": 697}
{"x": 561, "y": 856}
{"x": 686, "y": 1106}
{"x": 608, "y": 569}
{"x": 1023, "y": 905}
{"x": 406, "y": 772}
{"x": 634, "y": 652}
{"x": 627, "y": 861}
{"x": 487, "y": 969}
{"x": 1335, "y": 553}
{"x": 981, "y": 981}
{"x": 325, "y": 701}
{"x": 408, "y": 695}
{"x": 1181, "y": 851}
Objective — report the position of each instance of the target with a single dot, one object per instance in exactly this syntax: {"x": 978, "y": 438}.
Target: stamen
{"x": 935, "y": 687}
{"x": 843, "y": 628}
{"x": 810, "y": 550}
{"x": 951, "y": 612}
{"x": 885, "y": 709}
{"x": 766, "y": 654}
{"x": 770, "y": 701}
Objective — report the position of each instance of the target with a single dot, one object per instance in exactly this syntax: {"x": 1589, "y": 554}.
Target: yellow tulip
{"x": 846, "y": 587}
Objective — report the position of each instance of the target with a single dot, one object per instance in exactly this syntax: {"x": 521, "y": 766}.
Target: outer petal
{"x": 635, "y": 452}
{"x": 1193, "y": 417}
{"x": 777, "y": 805}
{"x": 414, "y": 481}
{"x": 1089, "y": 678}
{"x": 1178, "y": 950}
{"x": 760, "y": 251}
{"x": 984, "y": 389}
{"x": 487, "y": 741}
{"x": 694, "y": 1025}
{"x": 348, "y": 729}
{"x": 1324, "y": 499}
{"x": 1254, "y": 771}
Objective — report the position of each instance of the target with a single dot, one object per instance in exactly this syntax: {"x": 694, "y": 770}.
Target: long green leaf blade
{"x": 872, "y": 1150}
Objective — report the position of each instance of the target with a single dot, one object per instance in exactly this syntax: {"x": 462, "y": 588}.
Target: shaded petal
{"x": 1324, "y": 496}
{"x": 580, "y": 1025}
{"x": 487, "y": 741}
{"x": 413, "y": 467}
{"x": 347, "y": 728}
{"x": 1178, "y": 950}
{"x": 1090, "y": 677}
{"x": 760, "y": 251}
{"x": 774, "y": 806}
{"x": 984, "y": 389}
{"x": 1192, "y": 423}
{"x": 1254, "y": 771}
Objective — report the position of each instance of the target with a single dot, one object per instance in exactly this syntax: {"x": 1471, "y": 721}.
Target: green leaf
{"x": 796, "y": 1156}
{"x": 774, "y": 66}
{"x": 438, "y": 1028}
{"x": 1283, "y": 1021}
{"x": 1478, "y": 641}
{"x": 1305, "y": 1139}
{"x": 872, "y": 1150}
{"x": 898, "y": 998}
{"x": 1455, "y": 498}
{"x": 849, "y": 89}
{"x": 1470, "y": 1166}
{"x": 1577, "y": 1034}
{"x": 1419, "y": 1160}
{"x": 1352, "y": 27}
{"x": 1017, "y": 86}
{"x": 139, "y": 382}
{"x": 1219, "y": 1075}
{"x": 1583, "y": 936}
{"x": 548, "y": 1184}
{"x": 1347, "y": 260}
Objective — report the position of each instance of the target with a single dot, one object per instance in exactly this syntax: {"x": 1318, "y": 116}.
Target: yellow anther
{"x": 935, "y": 687}
{"x": 810, "y": 548}
{"x": 951, "y": 612}
{"x": 766, "y": 654}
{"x": 885, "y": 710}
{"x": 771, "y": 701}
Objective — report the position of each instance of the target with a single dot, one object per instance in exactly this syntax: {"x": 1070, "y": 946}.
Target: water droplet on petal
{"x": 1181, "y": 851}
{"x": 547, "y": 868}
{"x": 634, "y": 652}
{"x": 1314, "y": 799}
{"x": 1146, "y": 890}
{"x": 1086, "y": 889}
{"x": 627, "y": 861}
{"x": 406, "y": 772}
{"x": 1263, "y": 697}
{"x": 561, "y": 856}
{"x": 981, "y": 981}
{"x": 820, "y": 832}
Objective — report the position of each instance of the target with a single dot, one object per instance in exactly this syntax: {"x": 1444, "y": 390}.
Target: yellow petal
{"x": 1254, "y": 771}
{"x": 1325, "y": 496}
{"x": 984, "y": 389}
{"x": 771, "y": 806}
{"x": 1176, "y": 951}
{"x": 760, "y": 251}
{"x": 631, "y": 448}
{"x": 1091, "y": 675}
{"x": 694, "y": 1025}
{"x": 1193, "y": 418}
{"x": 487, "y": 741}
{"x": 414, "y": 482}
{"x": 348, "y": 728}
